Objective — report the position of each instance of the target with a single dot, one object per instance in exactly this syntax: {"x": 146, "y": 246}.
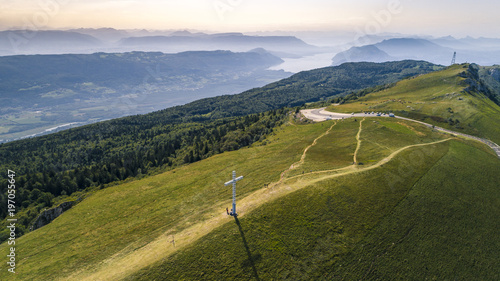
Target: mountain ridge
{"x": 455, "y": 98}
{"x": 438, "y": 51}
{"x": 87, "y": 41}
{"x": 230, "y": 41}
{"x": 365, "y": 53}
{"x": 353, "y": 198}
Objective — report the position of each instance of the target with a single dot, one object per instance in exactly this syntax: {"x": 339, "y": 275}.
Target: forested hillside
{"x": 77, "y": 159}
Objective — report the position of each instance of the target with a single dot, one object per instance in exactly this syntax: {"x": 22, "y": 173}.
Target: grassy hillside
{"x": 292, "y": 225}
{"x": 444, "y": 98}
{"x": 51, "y": 168}
{"x": 133, "y": 214}
{"x": 442, "y": 229}
{"x": 383, "y": 223}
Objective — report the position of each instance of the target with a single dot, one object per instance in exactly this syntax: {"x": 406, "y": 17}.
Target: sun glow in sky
{"x": 440, "y": 18}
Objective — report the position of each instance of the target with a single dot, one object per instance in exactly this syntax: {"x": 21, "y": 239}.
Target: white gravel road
{"x": 320, "y": 114}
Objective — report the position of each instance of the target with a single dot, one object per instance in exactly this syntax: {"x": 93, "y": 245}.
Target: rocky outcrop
{"x": 476, "y": 84}
{"x": 495, "y": 73}
{"x": 49, "y": 215}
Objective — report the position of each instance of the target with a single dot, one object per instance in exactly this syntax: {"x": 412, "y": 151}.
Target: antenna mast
{"x": 454, "y": 57}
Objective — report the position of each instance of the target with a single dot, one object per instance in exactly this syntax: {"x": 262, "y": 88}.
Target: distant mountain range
{"x": 111, "y": 40}
{"x": 483, "y": 51}
{"x": 19, "y": 42}
{"x": 229, "y": 41}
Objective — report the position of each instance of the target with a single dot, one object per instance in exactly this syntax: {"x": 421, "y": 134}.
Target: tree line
{"x": 75, "y": 160}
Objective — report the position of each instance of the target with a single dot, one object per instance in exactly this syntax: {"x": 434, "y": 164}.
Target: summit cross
{"x": 233, "y": 182}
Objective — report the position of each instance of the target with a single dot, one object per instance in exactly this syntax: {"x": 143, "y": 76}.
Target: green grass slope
{"x": 381, "y": 137}
{"x": 135, "y": 213}
{"x": 444, "y": 229}
{"x": 334, "y": 220}
{"x": 423, "y": 215}
{"x": 438, "y": 98}
{"x": 300, "y": 237}
{"x": 334, "y": 150}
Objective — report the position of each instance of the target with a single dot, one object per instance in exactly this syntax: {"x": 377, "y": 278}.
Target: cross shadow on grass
{"x": 251, "y": 259}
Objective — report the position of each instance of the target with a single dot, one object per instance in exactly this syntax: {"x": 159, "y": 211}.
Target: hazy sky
{"x": 434, "y": 17}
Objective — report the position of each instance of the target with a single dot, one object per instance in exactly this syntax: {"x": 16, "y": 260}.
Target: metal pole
{"x": 234, "y": 193}
{"x": 233, "y": 181}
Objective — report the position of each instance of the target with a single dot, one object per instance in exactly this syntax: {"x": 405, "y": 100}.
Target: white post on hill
{"x": 233, "y": 182}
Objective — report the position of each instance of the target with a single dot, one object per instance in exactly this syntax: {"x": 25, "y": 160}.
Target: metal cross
{"x": 233, "y": 181}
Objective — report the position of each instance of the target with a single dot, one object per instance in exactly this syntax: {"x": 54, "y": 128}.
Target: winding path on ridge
{"x": 303, "y": 157}
{"x": 131, "y": 259}
{"x": 320, "y": 114}
{"x": 358, "y": 140}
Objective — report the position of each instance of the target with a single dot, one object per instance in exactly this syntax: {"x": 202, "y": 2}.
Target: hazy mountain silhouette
{"x": 89, "y": 40}
{"x": 413, "y": 48}
{"x": 368, "y": 53}
{"x": 103, "y": 34}
{"x": 227, "y": 41}
{"x": 46, "y": 42}
{"x": 484, "y": 51}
